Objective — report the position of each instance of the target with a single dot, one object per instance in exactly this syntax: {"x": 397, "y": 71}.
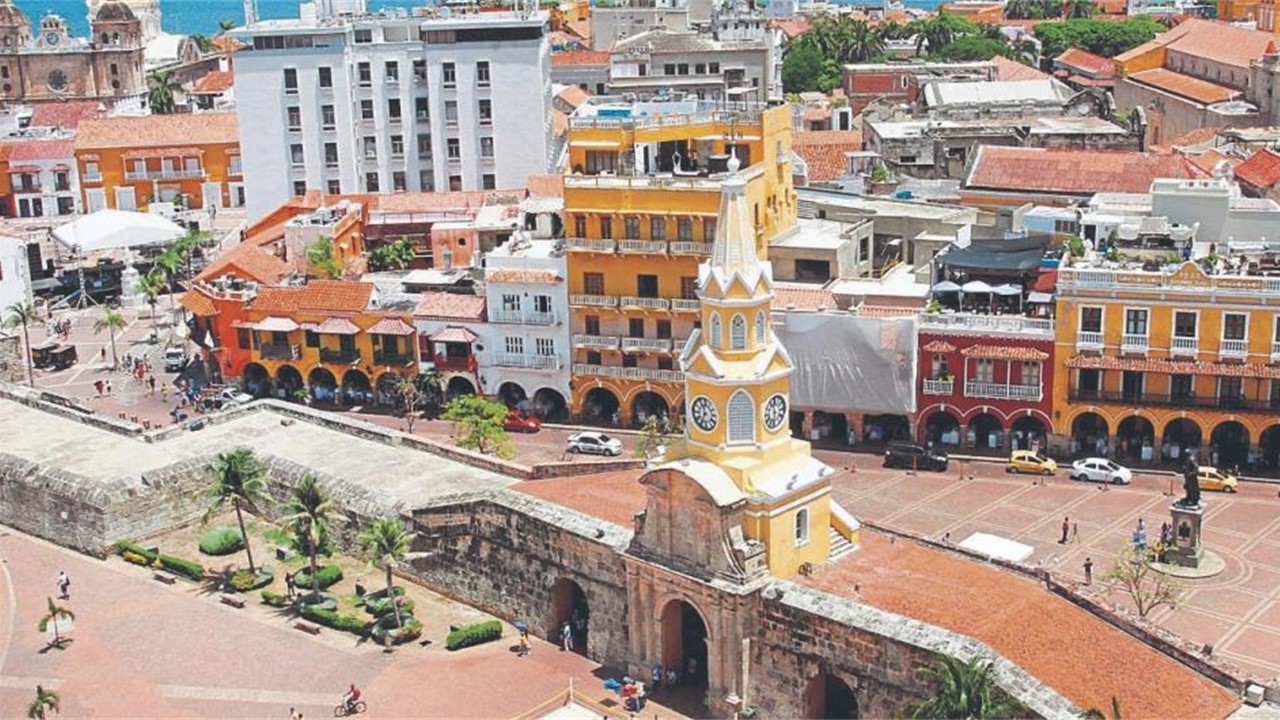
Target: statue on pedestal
{"x": 1190, "y": 483}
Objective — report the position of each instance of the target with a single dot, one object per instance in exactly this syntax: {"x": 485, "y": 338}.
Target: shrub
{"x": 380, "y": 594}
{"x": 275, "y": 599}
{"x": 331, "y": 618}
{"x": 386, "y": 625}
{"x": 124, "y": 546}
{"x": 135, "y": 558}
{"x": 244, "y": 581}
{"x": 328, "y": 601}
{"x": 474, "y": 635}
{"x": 328, "y": 575}
{"x": 221, "y": 541}
{"x": 176, "y": 565}
{"x": 382, "y": 606}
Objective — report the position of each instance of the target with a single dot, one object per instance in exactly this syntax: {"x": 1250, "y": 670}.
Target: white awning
{"x": 116, "y": 230}
{"x": 946, "y": 286}
{"x": 976, "y": 286}
{"x": 1008, "y": 289}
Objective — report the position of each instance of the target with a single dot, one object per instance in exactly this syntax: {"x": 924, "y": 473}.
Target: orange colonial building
{"x": 126, "y": 163}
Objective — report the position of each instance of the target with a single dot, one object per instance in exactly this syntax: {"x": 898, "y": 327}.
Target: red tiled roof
{"x": 573, "y": 96}
{"x": 1072, "y": 171}
{"x": 524, "y": 276}
{"x": 317, "y": 296}
{"x": 1209, "y": 159}
{"x": 940, "y": 346}
{"x": 1261, "y": 170}
{"x": 1087, "y": 62}
{"x": 1173, "y": 367}
{"x": 158, "y": 131}
{"x": 214, "y": 83}
{"x": 817, "y": 113}
{"x": 1045, "y": 282}
{"x": 1195, "y": 137}
{"x": 450, "y": 306}
{"x": 247, "y": 261}
{"x": 198, "y": 303}
{"x": 1007, "y": 69}
{"x": 226, "y": 42}
{"x": 581, "y": 57}
{"x": 559, "y": 122}
{"x": 1208, "y": 39}
{"x": 546, "y": 186}
{"x": 1192, "y": 88}
{"x": 802, "y": 297}
{"x": 392, "y": 326}
{"x": 823, "y": 151}
{"x": 793, "y": 28}
{"x": 65, "y": 115}
{"x": 30, "y": 150}
{"x": 453, "y": 334}
{"x": 1004, "y": 352}
{"x": 1090, "y": 82}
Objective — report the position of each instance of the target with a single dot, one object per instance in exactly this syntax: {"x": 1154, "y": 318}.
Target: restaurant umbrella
{"x": 1009, "y": 290}
{"x": 976, "y": 286}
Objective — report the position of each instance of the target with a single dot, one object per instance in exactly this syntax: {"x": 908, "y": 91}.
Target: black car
{"x": 914, "y": 457}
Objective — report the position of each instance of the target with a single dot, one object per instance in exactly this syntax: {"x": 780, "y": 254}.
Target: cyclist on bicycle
{"x": 351, "y": 697}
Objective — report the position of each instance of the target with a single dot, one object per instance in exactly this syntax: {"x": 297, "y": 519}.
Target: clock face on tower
{"x": 775, "y": 413}
{"x": 704, "y": 413}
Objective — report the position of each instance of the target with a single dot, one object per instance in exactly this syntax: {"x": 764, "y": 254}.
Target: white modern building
{"x": 347, "y": 101}
{"x": 15, "y": 275}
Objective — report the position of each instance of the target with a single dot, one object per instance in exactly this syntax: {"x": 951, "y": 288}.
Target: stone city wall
{"x": 49, "y": 503}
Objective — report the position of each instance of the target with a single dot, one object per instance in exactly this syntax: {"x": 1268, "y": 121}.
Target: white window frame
{"x": 546, "y": 347}
{"x": 1245, "y": 315}
{"x": 514, "y": 345}
{"x": 979, "y": 376}
{"x": 1124, "y": 320}
{"x": 1102, "y": 318}
{"x": 1173, "y": 324}
{"x": 738, "y": 332}
{"x": 801, "y": 527}
{"x": 741, "y": 412}
{"x": 717, "y": 331}
{"x": 95, "y": 199}
{"x": 1038, "y": 373}
{"x": 760, "y": 327}
{"x": 126, "y": 191}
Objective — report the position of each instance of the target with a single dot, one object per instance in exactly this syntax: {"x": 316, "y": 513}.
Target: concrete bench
{"x": 232, "y": 600}
{"x": 307, "y": 627}
{"x": 166, "y": 579}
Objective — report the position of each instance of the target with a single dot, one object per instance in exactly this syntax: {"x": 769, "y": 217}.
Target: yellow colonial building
{"x": 640, "y": 213}
{"x": 1153, "y": 364}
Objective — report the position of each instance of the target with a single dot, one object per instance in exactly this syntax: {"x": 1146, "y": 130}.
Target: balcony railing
{"x": 1088, "y": 340}
{"x": 91, "y": 177}
{"x": 1229, "y": 402}
{"x": 644, "y": 302}
{"x": 985, "y": 324}
{"x": 1003, "y": 391}
{"x": 629, "y": 373}
{"x": 1184, "y": 346}
{"x": 594, "y": 300}
{"x": 642, "y": 246}
{"x": 339, "y": 357}
{"x": 279, "y": 351}
{"x": 455, "y": 362}
{"x": 163, "y": 174}
{"x": 28, "y": 188}
{"x": 1233, "y": 349}
{"x": 1122, "y": 280}
{"x": 393, "y": 359}
{"x": 646, "y": 344}
{"x": 685, "y": 305}
{"x": 535, "y": 362}
{"x": 690, "y": 248}
{"x": 599, "y": 342}
{"x": 1131, "y": 343}
{"x": 939, "y": 387}
{"x": 517, "y": 317}
{"x": 1275, "y": 351}
{"x": 591, "y": 245}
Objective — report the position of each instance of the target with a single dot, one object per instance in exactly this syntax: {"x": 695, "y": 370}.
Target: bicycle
{"x": 345, "y": 708}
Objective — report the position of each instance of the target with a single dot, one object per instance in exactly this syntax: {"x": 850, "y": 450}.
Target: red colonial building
{"x": 985, "y": 381}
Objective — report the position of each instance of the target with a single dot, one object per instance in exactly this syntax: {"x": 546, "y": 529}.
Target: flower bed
{"x": 328, "y": 601}
{"x": 379, "y": 607}
{"x": 410, "y": 630}
{"x": 245, "y": 581}
{"x": 275, "y": 599}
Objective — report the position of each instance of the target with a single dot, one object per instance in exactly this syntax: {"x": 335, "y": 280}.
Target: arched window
{"x": 738, "y": 333}
{"x": 717, "y": 333}
{"x": 742, "y": 418}
{"x": 802, "y": 526}
{"x": 760, "y": 328}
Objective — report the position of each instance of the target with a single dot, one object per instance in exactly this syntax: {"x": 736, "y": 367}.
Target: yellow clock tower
{"x": 737, "y": 379}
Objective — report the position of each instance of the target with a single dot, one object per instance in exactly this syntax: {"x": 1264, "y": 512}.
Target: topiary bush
{"x": 275, "y": 599}
{"x": 243, "y": 580}
{"x": 331, "y": 618}
{"x": 328, "y": 575}
{"x": 482, "y": 632}
{"x": 382, "y": 606}
{"x": 328, "y": 601}
{"x": 176, "y": 565}
{"x": 221, "y": 541}
{"x": 386, "y": 625}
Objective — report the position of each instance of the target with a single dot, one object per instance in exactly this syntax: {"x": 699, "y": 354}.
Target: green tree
{"x": 112, "y": 321}
{"x": 167, "y": 265}
{"x": 161, "y": 89}
{"x": 387, "y": 543}
{"x": 801, "y": 67}
{"x": 478, "y": 422}
{"x": 1017, "y": 9}
{"x": 204, "y": 42}
{"x": 309, "y": 521}
{"x": 1080, "y": 8}
{"x": 410, "y": 391}
{"x": 394, "y": 255}
{"x": 973, "y": 48}
{"x": 652, "y": 438}
{"x": 935, "y": 32}
{"x": 42, "y": 703}
{"x": 320, "y": 257}
{"x": 1100, "y": 37}
{"x": 151, "y": 285}
{"x": 964, "y": 691}
{"x": 237, "y": 477}
{"x": 1132, "y": 573}
{"x": 23, "y": 314}
{"x": 54, "y": 613}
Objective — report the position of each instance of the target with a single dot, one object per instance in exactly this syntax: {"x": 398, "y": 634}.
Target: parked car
{"x": 594, "y": 443}
{"x": 174, "y": 359}
{"x": 1030, "y": 461}
{"x": 519, "y": 422}
{"x": 1101, "y": 470}
{"x": 229, "y": 396}
{"x": 911, "y": 456}
{"x": 1214, "y": 479}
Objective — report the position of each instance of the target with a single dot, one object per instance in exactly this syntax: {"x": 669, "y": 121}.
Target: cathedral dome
{"x": 114, "y": 11}
{"x": 11, "y": 16}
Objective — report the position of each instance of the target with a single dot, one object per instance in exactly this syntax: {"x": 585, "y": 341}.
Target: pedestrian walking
{"x": 524, "y": 645}
{"x": 1088, "y": 571}
{"x": 1075, "y": 532}
{"x": 102, "y": 353}
{"x": 151, "y": 383}
{"x": 566, "y": 635}
{"x": 293, "y": 714}
{"x": 164, "y": 392}
{"x": 108, "y": 387}
{"x": 99, "y": 386}
{"x": 290, "y": 586}
{"x": 64, "y": 585}
{"x": 1066, "y": 530}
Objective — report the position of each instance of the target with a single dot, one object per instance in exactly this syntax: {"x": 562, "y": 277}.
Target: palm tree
{"x": 239, "y": 479}
{"x": 111, "y": 321}
{"x": 52, "y": 615}
{"x": 939, "y": 30}
{"x": 1017, "y": 9}
{"x": 309, "y": 520}
{"x": 965, "y": 691}
{"x": 1096, "y": 714}
{"x": 167, "y": 264}
{"x": 161, "y": 91}
{"x": 151, "y": 285}
{"x": 23, "y": 313}
{"x": 1079, "y": 8}
{"x": 387, "y": 542}
{"x": 45, "y": 700}
{"x": 865, "y": 42}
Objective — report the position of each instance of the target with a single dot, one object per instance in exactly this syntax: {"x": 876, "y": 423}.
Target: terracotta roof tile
{"x": 524, "y": 276}
{"x": 1007, "y": 69}
{"x": 581, "y": 28}
{"x": 559, "y": 122}
{"x": 581, "y": 57}
{"x": 817, "y": 113}
{"x": 823, "y": 151}
{"x": 247, "y": 261}
{"x": 1086, "y": 62}
{"x": 1174, "y": 367}
{"x": 1004, "y": 352}
{"x": 1207, "y": 39}
{"x": 392, "y": 326}
{"x": 546, "y": 186}
{"x": 31, "y": 150}
{"x": 940, "y": 346}
{"x": 1199, "y": 136}
{"x": 1082, "y": 172}
{"x": 198, "y": 303}
{"x": 214, "y": 83}
{"x": 802, "y": 297}
{"x": 1192, "y": 88}
{"x": 65, "y": 115}
{"x": 158, "y": 131}
{"x": 450, "y": 306}
{"x": 318, "y": 296}
{"x": 1209, "y": 159}
{"x": 793, "y": 28}
{"x": 1261, "y": 170}
{"x": 226, "y": 42}
{"x": 573, "y": 96}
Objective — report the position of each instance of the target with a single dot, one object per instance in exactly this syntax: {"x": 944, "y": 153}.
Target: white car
{"x": 1101, "y": 470}
{"x": 230, "y": 397}
{"x": 594, "y": 443}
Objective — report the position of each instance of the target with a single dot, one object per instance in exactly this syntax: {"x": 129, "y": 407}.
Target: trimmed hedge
{"x": 275, "y": 599}
{"x": 380, "y": 594}
{"x": 328, "y": 601}
{"x": 410, "y": 631}
{"x": 328, "y": 575}
{"x": 244, "y": 581}
{"x": 381, "y": 606}
{"x": 176, "y": 565}
{"x": 221, "y": 541}
{"x": 330, "y": 618}
{"x": 482, "y": 632}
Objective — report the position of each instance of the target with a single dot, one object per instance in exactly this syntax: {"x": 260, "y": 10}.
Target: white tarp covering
{"x": 995, "y": 546}
{"x": 117, "y": 230}
{"x": 851, "y": 363}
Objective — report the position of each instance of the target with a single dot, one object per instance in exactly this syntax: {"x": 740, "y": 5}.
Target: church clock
{"x": 775, "y": 413}
{"x": 704, "y": 413}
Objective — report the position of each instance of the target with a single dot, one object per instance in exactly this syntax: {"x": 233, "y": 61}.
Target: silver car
{"x": 1101, "y": 470}
{"x": 594, "y": 443}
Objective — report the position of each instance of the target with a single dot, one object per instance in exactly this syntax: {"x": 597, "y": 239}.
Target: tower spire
{"x": 734, "y": 249}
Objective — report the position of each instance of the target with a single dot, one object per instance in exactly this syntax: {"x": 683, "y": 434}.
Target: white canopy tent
{"x": 117, "y": 230}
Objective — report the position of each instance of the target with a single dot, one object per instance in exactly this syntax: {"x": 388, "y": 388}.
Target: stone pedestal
{"x": 129, "y": 296}
{"x": 1187, "y": 550}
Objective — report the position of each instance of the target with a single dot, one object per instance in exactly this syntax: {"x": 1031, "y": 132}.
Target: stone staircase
{"x": 839, "y": 545}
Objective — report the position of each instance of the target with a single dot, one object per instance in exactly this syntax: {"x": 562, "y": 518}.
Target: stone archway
{"x": 356, "y": 389}
{"x": 987, "y": 433}
{"x": 831, "y": 426}
{"x": 323, "y": 384}
{"x": 1086, "y": 430}
{"x": 1132, "y": 435}
{"x": 457, "y": 387}
{"x": 601, "y": 406}
{"x": 1026, "y": 431}
{"x": 550, "y": 405}
{"x": 256, "y": 380}
{"x": 648, "y": 404}
{"x": 289, "y": 380}
{"x": 569, "y": 605}
{"x": 684, "y": 642}
{"x": 942, "y": 429}
{"x": 1181, "y": 437}
{"x": 388, "y": 389}
{"x": 511, "y": 394}
{"x": 1229, "y": 445}
{"x": 827, "y": 696}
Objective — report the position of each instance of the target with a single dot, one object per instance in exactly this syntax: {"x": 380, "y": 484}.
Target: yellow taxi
{"x": 1030, "y": 461}
{"x": 1215, "y": 479}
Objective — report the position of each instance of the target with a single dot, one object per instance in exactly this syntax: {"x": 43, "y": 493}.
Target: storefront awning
{"x": 276, "y": 324}
{"x": 392, "y": 326}
{"x": 338, "y": 326}
{"x": 453, "y": 334}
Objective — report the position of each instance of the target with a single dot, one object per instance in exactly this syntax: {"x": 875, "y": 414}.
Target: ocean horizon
{"x": 188, "y": 17}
